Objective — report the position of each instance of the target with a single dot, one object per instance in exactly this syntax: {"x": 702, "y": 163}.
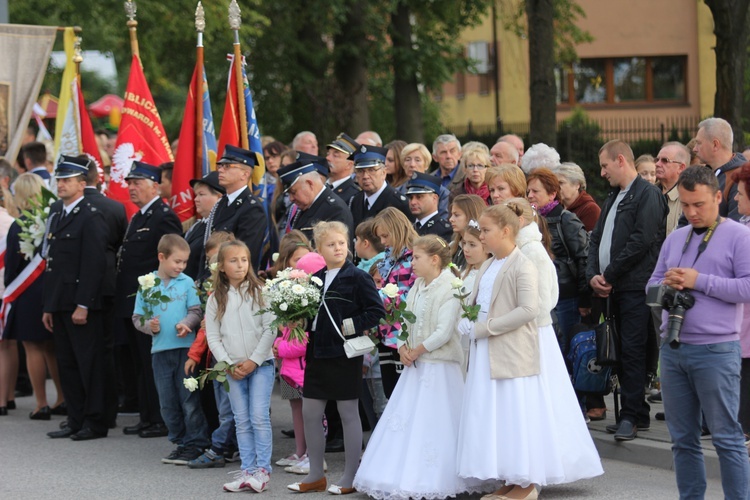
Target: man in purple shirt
{"x": 710, "y": 260}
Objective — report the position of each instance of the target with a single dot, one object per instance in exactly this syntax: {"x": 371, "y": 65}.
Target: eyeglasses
{"x": 227, "y": 166}
{"x": 476, "y": 167}
{"x": 665, "y": 160}
{"x": 365, "y": 171}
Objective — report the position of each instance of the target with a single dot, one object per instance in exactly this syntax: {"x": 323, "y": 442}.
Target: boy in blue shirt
{"x": 172, "y": 325}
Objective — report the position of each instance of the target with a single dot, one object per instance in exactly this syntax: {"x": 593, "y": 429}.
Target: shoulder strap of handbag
{"x": 333, "y": 322}
{"x": 557, "y": 221}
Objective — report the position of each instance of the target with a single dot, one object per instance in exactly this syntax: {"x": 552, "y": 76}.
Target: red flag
{"x": 88, "y": 139}
{"x": 231, "y": 123}
{"x": 141, "y": 136}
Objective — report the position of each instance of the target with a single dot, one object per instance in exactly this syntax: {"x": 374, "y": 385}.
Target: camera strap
{"x": 704, "y": 242}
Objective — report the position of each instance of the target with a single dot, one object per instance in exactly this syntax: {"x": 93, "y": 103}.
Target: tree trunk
{"x": 731, "y": 30}
{"x": 351, "y": 71}
{"x": 407, "y": 102}
{"x": 541, "y": 72}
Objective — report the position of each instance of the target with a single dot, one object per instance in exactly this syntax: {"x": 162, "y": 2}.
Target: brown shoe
{"x": 597, "y": 414}
{"x": 319, "y": 485}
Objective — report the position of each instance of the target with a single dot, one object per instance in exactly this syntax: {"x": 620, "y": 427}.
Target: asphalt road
{"x": 35, "y": 466}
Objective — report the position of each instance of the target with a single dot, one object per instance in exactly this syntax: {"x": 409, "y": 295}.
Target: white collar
{"x": 424, "y": 220}
{"x": 231, "y": 197}
{"x": 335, "y": 184}
{"x": 374, "y": 197}
{"x": 69, "y": 208}
{"x": 148, "y": 205}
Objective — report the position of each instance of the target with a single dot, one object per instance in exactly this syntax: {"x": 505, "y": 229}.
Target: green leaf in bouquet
{"x": 221, "y": 366}
{"x": 221, "y": 378}
{"x": 226, "y": 385}
{"x": 165, "y": 299}
{"x": 202, "y": 380}
{"x": 409, "y": 316}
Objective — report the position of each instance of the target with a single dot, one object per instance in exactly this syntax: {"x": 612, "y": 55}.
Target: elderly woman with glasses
{"x": 475, "y": 162}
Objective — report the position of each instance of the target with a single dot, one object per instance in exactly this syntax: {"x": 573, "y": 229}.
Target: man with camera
{"x": 701, "y": 280}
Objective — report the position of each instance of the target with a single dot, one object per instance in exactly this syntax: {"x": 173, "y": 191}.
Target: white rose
{"x": 285, "y": 284}
{"x": 275, "y": 256}
{"x": 298, "y": 289}
{"x": 283, "y": 306}
{"x": 391, "y": 290}
{"x": 213, "y": 266}
{"x": 316, "y": 280}
{"x": 457, "y": 283}
{"x": 147, "y": 281}
{"x": 191, "y": 384}
{"x": 304, "y": 302}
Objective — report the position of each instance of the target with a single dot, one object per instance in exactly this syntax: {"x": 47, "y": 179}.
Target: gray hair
{"x": 445, "y": 139}
{"x": 371, "y": 136}
{"x": 509, "y": 148}
{"x": 719, "y": 129}
{"x": 475, "y": 145}
{"x": 540, "y": 156}
{"x": 683, "y": 153}
{"x": 572, "y": 173}
{"x": 300, "y": 136}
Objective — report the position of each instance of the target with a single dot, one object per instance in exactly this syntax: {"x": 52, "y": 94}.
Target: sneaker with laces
{"x": 170, "y": 459}
{"x": 187, "y": 455}
{"x": 287, "y": 461}
{"x": 240, "y": 482}
{"x": 259, "y": 480}
{"x": 208, "y": 460}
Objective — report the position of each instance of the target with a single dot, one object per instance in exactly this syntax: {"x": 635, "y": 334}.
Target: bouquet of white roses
{"x": 152, "y": 297}
{"x": 396, "y": 314}
{"x": 34, "y": 223}
{"x": 293, "y": 297}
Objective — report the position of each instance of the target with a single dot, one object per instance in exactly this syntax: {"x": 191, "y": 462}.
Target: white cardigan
{"x": 529, "y": 241}
{"x": 438, "y": 314}
{"x": 241, "y": 334}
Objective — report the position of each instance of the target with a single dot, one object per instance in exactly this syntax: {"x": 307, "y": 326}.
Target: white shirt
{"x": 424, "y": 220}
{"x": 371, "y": 199}
{"x": 148, "y": 205}
{"x": 69, "y": 208}
{"x": 234, "y": 195}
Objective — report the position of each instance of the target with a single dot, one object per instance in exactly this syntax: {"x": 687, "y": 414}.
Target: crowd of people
{"x": 499, "y": 255}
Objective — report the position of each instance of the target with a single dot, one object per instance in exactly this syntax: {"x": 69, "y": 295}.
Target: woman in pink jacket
{"x": 292, "y": 357}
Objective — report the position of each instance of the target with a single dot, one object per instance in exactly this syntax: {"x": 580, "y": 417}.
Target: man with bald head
{"x": 713, "y": 145}
{"x": 306, "y": 142}
{"x": 502, "y": 153}
{"x": 516, "y": 142}
{"x": 369, "y": 138}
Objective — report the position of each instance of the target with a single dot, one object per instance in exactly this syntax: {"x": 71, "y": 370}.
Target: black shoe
{"x": 23, "y": 392}
{"x": 132, "y": 430}
{"x": 335, "y": 445}
{"x": 153, "y": 431}
{"x": 11, "y": 405}
{"x": 660, "y": 416}
{"x": 62, "y": 433}
{"x": 289, "y": 433}
{"x": 86, "y": 434}
{"x": 626, "y": 432}
{"x": 61, "y": 409}
{"x": 3, "y": 411}
{"x": 64, "y": 424}
{"x": 643, "y": 426}
{"x": 41, "y": 414}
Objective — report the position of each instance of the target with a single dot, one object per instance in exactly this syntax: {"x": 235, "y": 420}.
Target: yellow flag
{"x": 66, "y": 92}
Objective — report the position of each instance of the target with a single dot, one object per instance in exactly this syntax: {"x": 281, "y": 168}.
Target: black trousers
{"x": 148, "y": 399}
{"x": 82, "y": 362}
{"x": 744, "y": 416}
{"x": 390, "y": 368}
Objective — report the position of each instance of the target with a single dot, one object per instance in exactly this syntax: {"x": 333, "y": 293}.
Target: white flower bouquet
{"x": 470, "y": 312}
{"x": 152, "y": 297}
{"x": 396, "y": 314}
{"x": 218, "y": 372}
{"x": 293, "y": 297}
{"x": 34, "y": 223}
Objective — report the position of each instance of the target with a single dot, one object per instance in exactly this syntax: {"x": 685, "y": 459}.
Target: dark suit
{"x": 328, "y": 207}
{"x": 347, "y": 190}
{"x": 437, "y": 226}
{"x": 246, "y": 218}
{"x": 74, "y": 276}
{"x": 196, "y": 262}
{"x": 117, "y": 223}
{"x": 139, "y": 256}
{"x": 388, "y": 198}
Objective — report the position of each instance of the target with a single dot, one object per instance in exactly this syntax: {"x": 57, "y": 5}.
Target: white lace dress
{"x": 526, "y": 430}
{"x": 412, "y": 452}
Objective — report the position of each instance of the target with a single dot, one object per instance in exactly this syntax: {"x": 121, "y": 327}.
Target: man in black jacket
{"x": 75, "y": 248}
{"x": 713, "y": 145}
{"x": 315, "y": 202}
{"x": 138, "y": 256}
{"x": 623, "y": 251}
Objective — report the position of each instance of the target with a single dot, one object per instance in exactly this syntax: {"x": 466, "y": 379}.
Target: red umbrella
{"x": 103, "y": 107}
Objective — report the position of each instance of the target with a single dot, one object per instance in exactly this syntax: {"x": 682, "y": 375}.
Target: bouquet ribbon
{"x": 29, "y": 275}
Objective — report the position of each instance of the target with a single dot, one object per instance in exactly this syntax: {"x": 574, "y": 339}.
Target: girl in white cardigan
{"x": 412, "y": 451}
{"x": 237, "y": 335}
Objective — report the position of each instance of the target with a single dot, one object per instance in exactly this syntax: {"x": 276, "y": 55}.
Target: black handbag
{"x": 607, "y": 341}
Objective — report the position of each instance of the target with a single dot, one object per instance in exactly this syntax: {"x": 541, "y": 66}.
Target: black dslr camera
{"x": 674, "y": 301}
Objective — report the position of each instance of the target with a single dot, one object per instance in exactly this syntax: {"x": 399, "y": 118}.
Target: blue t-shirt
{"x": 184, "y": 295}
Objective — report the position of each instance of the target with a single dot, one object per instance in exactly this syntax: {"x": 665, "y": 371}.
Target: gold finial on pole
{"x": 235, "y": 19}
{"x": 200, "y": 18}
{"x": 77, "y": 54}
{"x": 130, "y": 9}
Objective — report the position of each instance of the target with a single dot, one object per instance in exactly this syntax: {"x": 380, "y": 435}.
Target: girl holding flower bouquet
{"x": 474, "y": 256}
{"x": 350, "y": 306}
{"x": 411, "y": 454}
{"x": 238, "y": 335}
{"x": 397, "y": 234}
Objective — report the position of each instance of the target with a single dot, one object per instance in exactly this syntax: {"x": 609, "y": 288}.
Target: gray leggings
{"x": 312, "y": 413}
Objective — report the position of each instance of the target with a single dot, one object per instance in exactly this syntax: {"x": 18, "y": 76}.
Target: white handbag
{"x": 358, "y": 346}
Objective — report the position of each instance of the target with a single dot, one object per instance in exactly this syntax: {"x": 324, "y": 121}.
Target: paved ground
{"x": 34, "y": 466}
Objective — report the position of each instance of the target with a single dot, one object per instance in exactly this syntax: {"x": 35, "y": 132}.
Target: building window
{"x": 628, "y": 80}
